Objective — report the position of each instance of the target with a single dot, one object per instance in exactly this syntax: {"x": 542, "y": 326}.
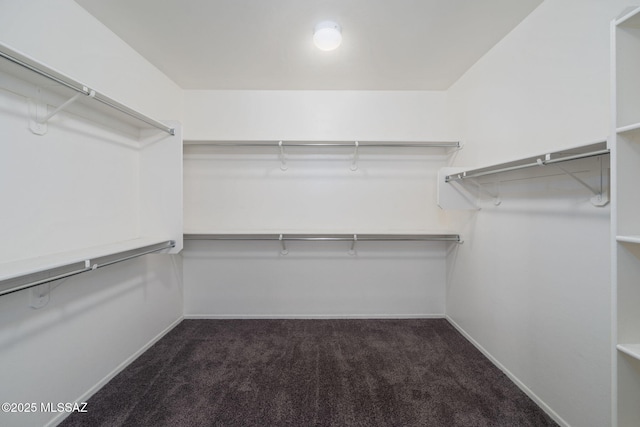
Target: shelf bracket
{"x": 284, "y": 250}
{"x": 599, "y": 198}
{"x": 354, "y": 164}
{"x": 37, "y": 109}
{"x": 470, "y": 201}
{"x": 40, "y": 295}
{"x": 61, "y": 107}
{"x": 352, "y": 251}
{"x": 283, "y": 160}
{"x": 459, "y": 146}
{"x": 496, "y": 197}
{"x": 38, "y": 116}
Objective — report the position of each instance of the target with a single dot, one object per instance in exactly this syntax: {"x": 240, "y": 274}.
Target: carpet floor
{"x": 410, "y": 372}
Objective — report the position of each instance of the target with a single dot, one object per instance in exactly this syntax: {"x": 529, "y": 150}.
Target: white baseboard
{"x": 511, "y": 376}
{"x": 86, "y": 395}
{"x": 314, "y": 316}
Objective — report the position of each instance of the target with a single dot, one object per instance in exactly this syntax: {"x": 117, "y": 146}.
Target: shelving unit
{"x": 625, "y": 35}
{"x": 351, "y": 144}
{"x": 63, "y": 91}
{"x": 24, "y": 274}
{"x": 82, "y": 186}
{"x": 566, "y": 155}
{"x": 451, "y": 195}
{"x": 327, "y": 237}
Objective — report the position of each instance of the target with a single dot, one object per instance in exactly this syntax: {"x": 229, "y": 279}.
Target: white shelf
{"x": 75, "y": 260}
{"x": 632, "y": 350}
{"x": 33, "y": 72}
{"x": 629, "y": 18}
{"x": 575, "y": 153}
{"x": 444, "y": 237}
{"x": 321, "y": 231}
{"x": 629, "y": 128}
{"x": 457, "y": 197}
{"x": 629, "y": 239}
{"x": 325, "y": 143}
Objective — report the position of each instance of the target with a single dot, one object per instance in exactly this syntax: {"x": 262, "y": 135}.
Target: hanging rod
{"x": 282, "y": 238}
{"x": 30, "y": 280}
{"x": 385, "y": 144}
{"x": 51, "y": 74}
{"x": 542, "y": 160}
{"x": 329, "y": 237}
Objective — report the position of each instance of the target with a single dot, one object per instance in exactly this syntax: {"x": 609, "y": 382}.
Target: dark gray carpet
{"x": 418, "y": 372}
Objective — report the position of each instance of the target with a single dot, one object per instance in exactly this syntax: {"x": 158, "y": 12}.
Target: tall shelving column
{"x": 626, "y": 218}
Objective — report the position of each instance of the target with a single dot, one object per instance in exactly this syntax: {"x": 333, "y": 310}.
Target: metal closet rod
{"x": 44, "y": 71}
{"x": 328, "y": 237}
{"x": 542, "y": 161}
{"x": 274, "y": 143}
{"x": 30, "y": 280}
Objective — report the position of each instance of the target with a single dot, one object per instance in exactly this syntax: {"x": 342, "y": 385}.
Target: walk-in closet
{"x": 284, "y": 212}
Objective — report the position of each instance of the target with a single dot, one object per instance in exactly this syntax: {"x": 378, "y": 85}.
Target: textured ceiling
{"x": 267, "y": 44}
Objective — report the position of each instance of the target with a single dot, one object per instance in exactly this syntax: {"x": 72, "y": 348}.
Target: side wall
{"x": 236, "y": 191}
{"x": 94, "y": 323}
{"x": 531, "y": 284}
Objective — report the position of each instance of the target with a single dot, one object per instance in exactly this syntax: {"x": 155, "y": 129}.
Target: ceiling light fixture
{"x": 327, "y": 35}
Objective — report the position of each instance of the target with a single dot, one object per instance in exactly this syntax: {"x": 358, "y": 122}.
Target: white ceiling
{"x": 267, "y": 44}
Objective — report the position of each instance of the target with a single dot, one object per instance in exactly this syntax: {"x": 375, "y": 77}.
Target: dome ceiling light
{"x": 327, "y": 35}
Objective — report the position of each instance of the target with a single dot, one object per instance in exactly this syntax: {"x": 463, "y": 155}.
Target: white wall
{"x": 87, "y": 192}
{"x": 393, "y": 191}
{"x": 330, "y": 115}
{"x": 531, "y": 283}
{"x": 94, "y": 324}
{"x": 315, "y": 279}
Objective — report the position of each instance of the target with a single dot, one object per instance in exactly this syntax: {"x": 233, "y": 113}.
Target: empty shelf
{"x": 23, "y": 274}
{"x": 327, "y": 237}
{"x": 629, "y": 128}
{"x": 632, "y": 350}
{"x": 33, "y": 72}
{"x": 361, "y": 144}
{"x": 582, "y": 152}
{"x": 628, "y": 239}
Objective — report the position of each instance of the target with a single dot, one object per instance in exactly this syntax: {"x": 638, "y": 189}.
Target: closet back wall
{"x": 245, "y": 191}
